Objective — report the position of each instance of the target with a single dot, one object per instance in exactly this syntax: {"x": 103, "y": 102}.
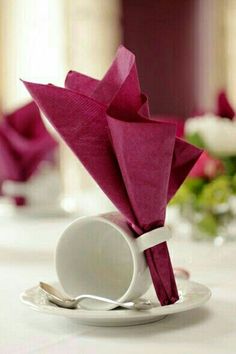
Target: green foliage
{"x": 208, "y": 224}
{"x": 189, "y": 192}
{"x": 195, "y": 185}
{"x": 229, "y": 165}
{"x": 183, "y": 196}
{"x": 233, "y": 184}
{"x": 203, "y": 197}
{"x": 195, "y": 139}
{"x": 215, "y": 192}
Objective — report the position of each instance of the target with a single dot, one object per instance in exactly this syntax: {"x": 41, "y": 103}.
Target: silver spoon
{"x": 54, "y": 296}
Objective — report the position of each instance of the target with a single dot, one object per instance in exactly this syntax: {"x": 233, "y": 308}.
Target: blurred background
{"x": 185, "y": 52}
{"x": 188, "y": 46}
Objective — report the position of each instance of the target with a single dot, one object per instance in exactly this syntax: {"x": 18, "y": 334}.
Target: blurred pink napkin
{"x": 223, "y": 106}
{"x": 138, "y": 162}
{"x": 24, "y": 144}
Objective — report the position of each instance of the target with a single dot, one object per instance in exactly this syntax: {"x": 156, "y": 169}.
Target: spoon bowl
{"x": 57, "y": 298}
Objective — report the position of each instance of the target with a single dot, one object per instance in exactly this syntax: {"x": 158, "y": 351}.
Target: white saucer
{"x": 191, "y": 294}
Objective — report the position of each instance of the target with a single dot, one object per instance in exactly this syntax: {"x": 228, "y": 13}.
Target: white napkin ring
{"x": 153, "y": 238}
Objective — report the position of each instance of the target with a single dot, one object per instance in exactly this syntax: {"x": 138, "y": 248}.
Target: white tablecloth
{"x": 26, "y": 256}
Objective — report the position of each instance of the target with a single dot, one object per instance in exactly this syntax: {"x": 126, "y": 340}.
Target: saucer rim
{"x": 102, "y": 317}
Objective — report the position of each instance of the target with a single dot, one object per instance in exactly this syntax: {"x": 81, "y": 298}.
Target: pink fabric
{"x": 224, "y": 109}
{"x": 178, "y": 121}
{"x": 8, "y": 169}
{"x": 24, "y": 143}
{"x": 207, "y": 167}
{"x": 138, "y": 162}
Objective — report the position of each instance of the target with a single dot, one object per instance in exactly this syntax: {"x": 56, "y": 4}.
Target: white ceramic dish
{"x": 100, "y": 255}
{"x": 192, "y": 295}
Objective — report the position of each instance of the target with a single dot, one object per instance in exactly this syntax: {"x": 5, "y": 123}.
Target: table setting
{"x": 117, "y": 177}
{"x": 111, "y": 260}
{"x": 27, "y": 257}
{"x": 115, "y": 269}
{"x": 29, "y": 176}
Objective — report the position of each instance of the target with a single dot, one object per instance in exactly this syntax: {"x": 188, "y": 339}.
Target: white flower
{"x": 218, "y": 134}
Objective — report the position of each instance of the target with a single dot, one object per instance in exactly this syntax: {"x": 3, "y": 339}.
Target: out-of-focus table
{"x": 26, "y": 256}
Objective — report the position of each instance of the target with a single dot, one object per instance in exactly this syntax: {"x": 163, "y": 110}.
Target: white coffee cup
{"x": 100, "y": 255}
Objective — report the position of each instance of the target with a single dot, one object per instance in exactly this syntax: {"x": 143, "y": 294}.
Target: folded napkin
{"x": 24, "y": 144}
{"x": 138, "y": 162}
{"x": 177, "y": 121}
{"x": 224, "y": 108}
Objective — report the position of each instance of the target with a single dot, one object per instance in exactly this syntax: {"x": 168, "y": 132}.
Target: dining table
{"x": 27, "y": 246}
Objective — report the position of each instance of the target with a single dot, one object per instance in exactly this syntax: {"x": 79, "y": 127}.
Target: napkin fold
{"x": 137, "y": 161}
{"x": 24, "y": 144}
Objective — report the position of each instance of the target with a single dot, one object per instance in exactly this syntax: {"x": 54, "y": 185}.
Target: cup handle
{"x": 153, "y": 238}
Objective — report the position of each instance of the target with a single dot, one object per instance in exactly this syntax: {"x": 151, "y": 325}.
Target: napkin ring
{"x": 153, "y": 238}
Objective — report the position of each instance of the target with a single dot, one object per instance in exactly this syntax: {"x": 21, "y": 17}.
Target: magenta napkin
{"x": 138, "y": 162}
{"x": 179, "y": 122}
{"x": 24, "y": 143}
{"x": 224, "y": 108}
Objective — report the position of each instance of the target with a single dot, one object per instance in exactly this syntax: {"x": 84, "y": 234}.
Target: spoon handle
{"x": 127, "y": 305}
